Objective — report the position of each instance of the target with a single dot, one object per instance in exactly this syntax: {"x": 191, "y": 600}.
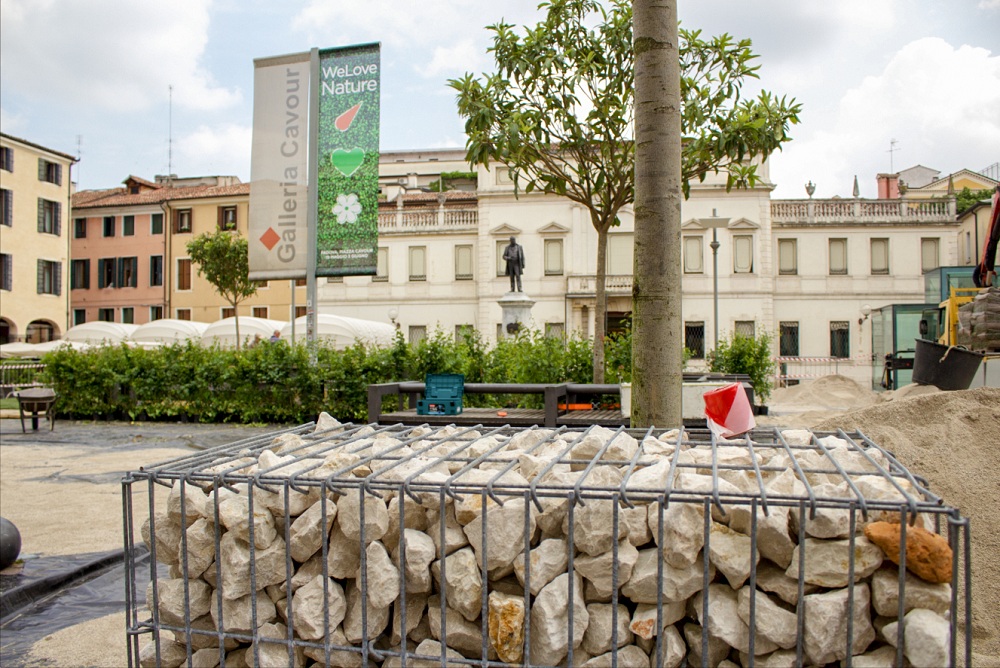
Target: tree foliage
{"x": 223, "y": 259}
{"x": 749, "y": 355}
{"x": 558, "y": 112}
{"x": 967, "y": 197}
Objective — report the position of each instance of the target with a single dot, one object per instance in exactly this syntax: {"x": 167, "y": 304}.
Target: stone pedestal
{"x": 516, "y": 312}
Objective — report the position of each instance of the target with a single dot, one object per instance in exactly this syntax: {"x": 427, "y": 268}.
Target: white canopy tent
{"x": 98, "y": 332}
{"x": 342, "y": 332}
{"x": 18, "y": 349}
{"x": 223, "y": 332}
{"x": 168, "y": 330}
{"x": 49, "y": 346}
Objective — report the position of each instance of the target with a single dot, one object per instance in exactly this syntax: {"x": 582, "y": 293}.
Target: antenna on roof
{"x": 170, "y": 136}
{"x": 892, "y": 149}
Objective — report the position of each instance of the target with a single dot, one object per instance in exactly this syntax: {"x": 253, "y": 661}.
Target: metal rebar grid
{"x": 641, "y": 546}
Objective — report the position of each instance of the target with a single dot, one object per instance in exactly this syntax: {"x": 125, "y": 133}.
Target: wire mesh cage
{"x": 367, "y": 545}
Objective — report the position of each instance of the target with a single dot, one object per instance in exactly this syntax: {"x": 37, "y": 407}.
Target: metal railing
{"x": 16, "y": 376}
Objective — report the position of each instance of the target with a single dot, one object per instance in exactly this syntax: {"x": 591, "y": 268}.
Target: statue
{"x": 513, "y": 254}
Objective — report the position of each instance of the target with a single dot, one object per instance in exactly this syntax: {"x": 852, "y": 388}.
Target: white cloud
{"x": 112, "y": 54}
{"x": 989, "y": 4}
{"x": 938, "y": 101}
{"x": 457, "y": 58}
{"x": 12, "y": 123}
{"x": 223, "y": 149}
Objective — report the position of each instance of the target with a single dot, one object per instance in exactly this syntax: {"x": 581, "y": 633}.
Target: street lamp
{"x": 715, "y": 223}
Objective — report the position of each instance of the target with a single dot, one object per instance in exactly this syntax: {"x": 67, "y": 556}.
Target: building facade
{"x": 35, "y": 188}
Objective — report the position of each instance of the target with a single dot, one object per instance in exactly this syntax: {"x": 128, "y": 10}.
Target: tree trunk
{"x": 657, "y": 334}
{"x": 236, "y": 320}
{"x": 601, "y": 308}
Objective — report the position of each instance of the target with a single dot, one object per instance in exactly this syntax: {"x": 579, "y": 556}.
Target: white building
{"x": 805, "y": 271}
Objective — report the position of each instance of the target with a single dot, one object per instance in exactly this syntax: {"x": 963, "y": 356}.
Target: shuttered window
{"x": 743, "y": 254}
{"x": 418, "y": 263}
{"x": 381, "y": 265}
{"x": 49, "y": 277}
{"x": 694, "y": 260}
{"x": 880, "y": 256}
{"x": 620, "y": 255}
{"x": 929, "y": 254}
{"x": 838, "y": 257}
{"x": 463, "y": 263}
{"x": 553, "y": 257}
{"x": 788, "y": 262}
{"x": 48, "y": 217}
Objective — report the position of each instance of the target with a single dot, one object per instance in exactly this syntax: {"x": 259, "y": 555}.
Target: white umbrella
{"x": 98, "y": 332}
{"x": 342, "y": 332}
{"x": 223, "y": 332}
{"x": 170, "y": 330}
{"x": 18, "y": 349}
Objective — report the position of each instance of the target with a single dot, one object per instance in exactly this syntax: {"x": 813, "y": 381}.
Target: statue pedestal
{"x": 516, "y": 312}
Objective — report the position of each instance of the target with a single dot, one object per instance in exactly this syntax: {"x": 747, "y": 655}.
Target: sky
{"x": 140, "y": 88}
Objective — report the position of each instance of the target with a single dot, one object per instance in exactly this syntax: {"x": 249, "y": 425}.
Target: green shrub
{"x": 749, "y": 355}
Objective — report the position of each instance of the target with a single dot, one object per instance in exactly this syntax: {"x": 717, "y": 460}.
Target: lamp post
{"x": 715, "y": 223}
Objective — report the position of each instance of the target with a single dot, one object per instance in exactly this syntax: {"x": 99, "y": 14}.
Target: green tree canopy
{"x": 223, "y": 259}
{"x": 559, "y": 112}
{"x": 967, "y": 197}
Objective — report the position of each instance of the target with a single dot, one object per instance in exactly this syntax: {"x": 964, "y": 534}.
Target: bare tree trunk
{"x": 657, "y": 335}
{"x": 236, "y": 321}
{"x": 601, "y": 308}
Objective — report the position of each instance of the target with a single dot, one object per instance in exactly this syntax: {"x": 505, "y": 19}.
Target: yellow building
{"x": 35, "y": 190}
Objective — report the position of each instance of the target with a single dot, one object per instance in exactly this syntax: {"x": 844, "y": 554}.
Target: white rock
{"x": 602, "y": 624}
{"x": 636, "y": 519}
{"x": 918, "y": 593}
{"x": 414, "y": 515}
{"x": 430, "y": 648}
{"x": 339, "y": 658}
{"x": 171, "y": 654}
{"x": 264, "y": 654}
{"x": 463, "y": 583}
{"x": 171, "y": 598}
{"x": 343, "y": 555}
{"x": 718, "y": 649}
{"x": 828, "y": 561}
{"x": 730, "y": 552}
{"x": 550, "y": 641}
{"x": 926, "y": 639}
{"x": 308, "y": 530}
{"x": 724, "y": 621}
{"x": 234, "y": 513}
{"x": 782, "y": 658}
{"x": 419, "y": 553}
{"x": 196, "y": 504}
{"x": 598, "y": 570}
{"x": 773, "y": 539}
{"x": 383, "y": 576}
{"x": 310, "y": 608}
{"x": 168, "y": 536}
{"x": 883, "y": 657}
{"x": 643, "y": 623}
{"x": 234, "y": 556}
{"x": 630, "y": 656}
{"x": 463, "y": 635}
{"x": 678, "y": 584}
{"x": 548, "y": 560}
{"x": 454, "y": 534}
{"x": 772, "y": 579}
{"x": 415, "y": 607}
{"x": 378, "y": 618}
{"x": 683, "y": 531}
{"x": 200, "y": 548}
{"x": 593, "y": 519}
{"x": 349, "y": 516}
{"x": 672, "y": 649}
{"x": 504, "y": 534}
{"x": 826, "y": 624}
{"x": 772, "y": 621}
{"x": 238, "y": 614}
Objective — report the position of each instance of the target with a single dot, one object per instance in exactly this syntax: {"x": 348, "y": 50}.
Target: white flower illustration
{"x": 347, "y": 209}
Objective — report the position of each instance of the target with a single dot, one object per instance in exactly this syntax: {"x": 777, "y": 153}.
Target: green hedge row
{"x": 277, "y": 382}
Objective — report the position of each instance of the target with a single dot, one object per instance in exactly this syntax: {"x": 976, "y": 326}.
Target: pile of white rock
{"x": 630, "y": 569}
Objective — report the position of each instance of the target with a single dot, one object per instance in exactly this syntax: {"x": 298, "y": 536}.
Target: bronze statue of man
{"x": 513, "y": 254}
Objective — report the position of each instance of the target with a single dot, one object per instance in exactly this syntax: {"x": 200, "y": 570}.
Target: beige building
{"x": 35, "y": 188}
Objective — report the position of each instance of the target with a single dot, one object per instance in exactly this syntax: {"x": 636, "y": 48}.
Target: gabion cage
{"x": 367, "y": 545}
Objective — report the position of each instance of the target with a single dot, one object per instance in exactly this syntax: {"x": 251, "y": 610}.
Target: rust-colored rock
{"x": 928, "y": 555}
{"x": 506, "y": 626}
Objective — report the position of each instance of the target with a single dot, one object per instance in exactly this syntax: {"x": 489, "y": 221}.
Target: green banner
{"x": 348, "y": 154}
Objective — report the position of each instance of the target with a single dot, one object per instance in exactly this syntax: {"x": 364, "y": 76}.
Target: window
{"x": 184, "y": 274}
{"x": 743, "y": 254}
{"x": 299, "y": 282}
{"x": 6, "y": 158}
{"x": 694, "y": 339}
{"x": 880, "y": 256}
{"x": 259, "y": 312}
{"x": 228, "y": 312}
{"x": 417, "y": 333}
{"x": 620, "y": 255}
{"x": 49, "y": 172}
{"x": 382, "y": 265}
{"x": 80, "y": 275}
{"x": 106, "y": 272}
{"x": 555, "y": 330}
{"x": 929, "y": 254}
{"x": 968, "y": 247}
{"x": 788, "y": 262}
{"x": 48, "y": 217}
{"x": 182, "y": 220}
{"x": 788, "y": 339}
{"x": 6, "y": 271}
{"x": 128, "y": 315}
{"x": 156, "y": 223}
{"x": 745, "y": 328}
{"x": 109, "y": 226}
{"x": 80, "y": 228}
{"x": 106, "y": 314}
{"x": 260, "y": 284}
{"x": 155, "y": 270}
{"x": 840, "y": 339}
{"x": 418, "y": 263}
{"x": 463, "y": 263}
{"x": 693, "y": 256}
{"x": 128, "y": 226}
{"x": 461, "y": 331}
{"x": 128, "y": 272}
{"x": 7, "y": 205}
{"x": 336, "y": 279}
{"x": 49, "y": 277}
{"x": 182, "y": 314}
{"x": 227, "y": 217}
{"x": 79, "y": 316}
{"x": 838, "y": 257}
{"x": 300, "y": 311}
{"x": 155, "y": 313}
{"x": 501, "y": 263}
{"x": 553, "y": 257}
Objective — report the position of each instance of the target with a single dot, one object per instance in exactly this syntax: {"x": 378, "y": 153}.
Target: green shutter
{"x": 57, "y": 278}
{"x": 41, "y": 215}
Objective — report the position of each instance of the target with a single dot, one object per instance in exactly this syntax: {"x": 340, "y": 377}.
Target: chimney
{"x": 888, "y": 186}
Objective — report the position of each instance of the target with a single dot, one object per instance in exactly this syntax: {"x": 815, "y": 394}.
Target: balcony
{"x": 857, "y": 211}
{"x": 580, "y": 286}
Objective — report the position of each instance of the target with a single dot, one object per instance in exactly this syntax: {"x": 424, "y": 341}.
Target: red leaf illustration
{"x": 345, "y": 119}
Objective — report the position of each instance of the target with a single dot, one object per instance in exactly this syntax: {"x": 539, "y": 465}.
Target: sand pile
{"x": 953, "y": 440}
{"x": 829, "y": 393}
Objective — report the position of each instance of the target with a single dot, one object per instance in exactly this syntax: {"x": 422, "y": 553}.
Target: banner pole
{"x": 314, "y": 94}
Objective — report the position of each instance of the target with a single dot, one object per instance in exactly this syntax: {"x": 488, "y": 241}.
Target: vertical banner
{"x": 278, "y": 227}
{"x": 348, "y": 155}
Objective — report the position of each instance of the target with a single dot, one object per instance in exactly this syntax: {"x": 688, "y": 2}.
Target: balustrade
{"x": 847, "y": 210}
